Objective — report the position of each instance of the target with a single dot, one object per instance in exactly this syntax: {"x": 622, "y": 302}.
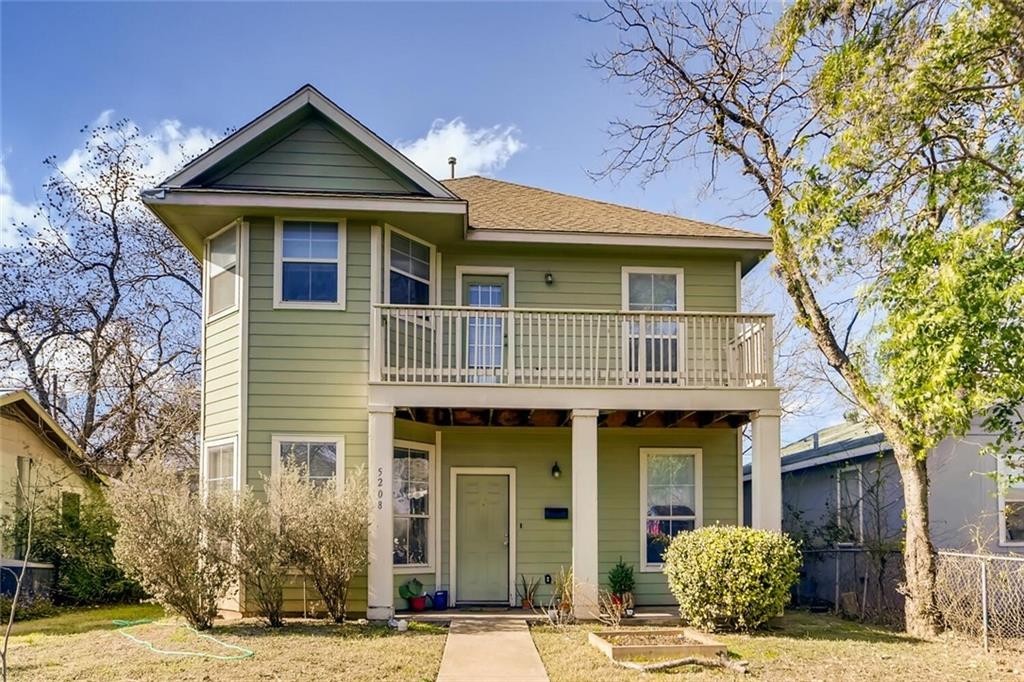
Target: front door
{"x": 485, "y": 332}
{"x": 481, "y": 530}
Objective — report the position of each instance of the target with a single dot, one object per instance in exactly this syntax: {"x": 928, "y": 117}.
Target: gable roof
{"x": 500, "y": 205}
{"x": 24, "y": 405}
{"x": 238, "y": 148}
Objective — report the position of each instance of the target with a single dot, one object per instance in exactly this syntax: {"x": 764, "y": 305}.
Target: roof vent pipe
{"x": 451, "y": 162}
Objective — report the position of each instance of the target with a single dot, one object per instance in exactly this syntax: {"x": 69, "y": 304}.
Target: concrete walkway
{"x": 484, "y": 650}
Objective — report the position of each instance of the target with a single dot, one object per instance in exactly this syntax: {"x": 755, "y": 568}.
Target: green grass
{"x": 83, "y": 645}
{"x": 799, "y": 646}
{"x": 76, "y": 620}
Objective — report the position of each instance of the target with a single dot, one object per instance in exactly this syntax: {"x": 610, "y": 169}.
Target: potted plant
{"x": 621, "y": 583}
{"x": 527, "y": 590}
{"x": 413, "y": 593}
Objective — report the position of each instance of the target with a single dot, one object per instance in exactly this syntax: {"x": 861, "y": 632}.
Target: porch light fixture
{"x": 549, "y": 278}
{"x": 556, "y": 471}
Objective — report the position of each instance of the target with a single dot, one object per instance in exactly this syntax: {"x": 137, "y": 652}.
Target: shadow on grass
{"x": 74, "y": 620}
{"x": 323, "y": 628}
{"x": 816, "y": 626}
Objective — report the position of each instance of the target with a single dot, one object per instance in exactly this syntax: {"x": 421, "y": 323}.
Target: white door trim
{"x": 452, "y": 526}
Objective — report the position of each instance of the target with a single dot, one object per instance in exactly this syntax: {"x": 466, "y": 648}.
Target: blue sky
{"x": 396, "y": 67}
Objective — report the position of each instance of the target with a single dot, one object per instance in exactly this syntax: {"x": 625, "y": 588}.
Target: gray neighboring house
{"x": 842, "y": 493}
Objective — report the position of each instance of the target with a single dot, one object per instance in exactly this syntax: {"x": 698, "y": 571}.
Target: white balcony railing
{"x": 534, "y": 347}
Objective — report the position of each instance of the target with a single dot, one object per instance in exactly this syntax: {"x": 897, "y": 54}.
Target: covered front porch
{"x": 468, "y": 499}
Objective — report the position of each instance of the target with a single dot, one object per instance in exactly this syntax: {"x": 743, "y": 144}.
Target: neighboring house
{"x": 841, "y": 488}
{"x": 534, "y": 380}
{"x": 40, "y": 465}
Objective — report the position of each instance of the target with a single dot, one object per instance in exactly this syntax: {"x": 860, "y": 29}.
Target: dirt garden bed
{"x": 633, "y": 644}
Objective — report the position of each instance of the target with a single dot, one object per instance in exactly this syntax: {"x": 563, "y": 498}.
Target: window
{"x": 670, "y": 499}
{"x": 1011, "y": 500}
{"x": 654, "y": 350}
{"x": 70, "y": 508}
{"x": 410, "y": 270}
{"x": 412, "y": 478}
{"x": 220, "y": 467}
{"x": 849, "y": 505}
{"x": 310, "y": 264}
{"x": 222, "y": 272}
{"x": 322, "y": 458}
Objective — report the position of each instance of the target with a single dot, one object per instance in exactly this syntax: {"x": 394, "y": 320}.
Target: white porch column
{"x": 584, "y": 513}
{"x": 379, "y": 580}
{"x": 766, "y": 471}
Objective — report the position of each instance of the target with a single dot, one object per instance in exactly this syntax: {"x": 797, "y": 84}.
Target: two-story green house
{"x": 532, "y": 380}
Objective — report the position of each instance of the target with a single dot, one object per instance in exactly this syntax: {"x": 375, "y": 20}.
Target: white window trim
{"x": 208, "y": 275}
{"x": 698, "y": 497}
{"x": 434, "y": 501}
{"x": 339, "y": 443}
{"x": 279, "y": 302}
{"x": 204, "y": 462}
{"x": 860, "y": 503}
{"x": 434, "y": 293}
{"x": 499, "y": 271}
{"x": 1001, "y": 470}
{"x": 644, "y": 270}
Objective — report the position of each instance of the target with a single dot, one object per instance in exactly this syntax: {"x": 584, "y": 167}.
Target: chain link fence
{"x": 853, "y": 581}
{"x": 982, "y": 596}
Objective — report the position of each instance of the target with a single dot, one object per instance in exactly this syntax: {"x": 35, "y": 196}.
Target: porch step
{"x": 481, "y": 650}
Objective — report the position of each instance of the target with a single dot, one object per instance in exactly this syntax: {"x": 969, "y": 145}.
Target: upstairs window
{"x": 310, "y": 264}
{"x": 222, "y": 272}
{"x": 410, "y": 271}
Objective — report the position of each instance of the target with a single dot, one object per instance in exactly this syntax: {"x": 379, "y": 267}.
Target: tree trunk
{"x": 918, "y": 552}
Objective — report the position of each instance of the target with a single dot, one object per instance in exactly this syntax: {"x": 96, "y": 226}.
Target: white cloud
{"x": 14, "y": 214}
{"x": 478, "y": 150}
{"x": 164, "y": 148}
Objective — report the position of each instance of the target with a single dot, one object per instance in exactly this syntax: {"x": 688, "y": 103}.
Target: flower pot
{"x": 418, "y": 603}
{"x": 527, "y": 604}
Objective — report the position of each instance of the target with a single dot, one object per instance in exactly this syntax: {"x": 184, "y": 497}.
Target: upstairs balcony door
{"x": 654, "y": 344}
{"x": 486, "y": 334}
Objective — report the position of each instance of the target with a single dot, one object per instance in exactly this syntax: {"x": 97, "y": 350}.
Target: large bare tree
{"x": 99, "y": 306}
{"x": 883, "y": 141}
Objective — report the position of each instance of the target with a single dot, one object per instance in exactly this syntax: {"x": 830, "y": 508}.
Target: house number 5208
{"x": 380, "y": 488}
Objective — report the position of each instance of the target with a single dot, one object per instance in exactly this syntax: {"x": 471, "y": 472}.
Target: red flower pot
{"x": 418, "y": 603}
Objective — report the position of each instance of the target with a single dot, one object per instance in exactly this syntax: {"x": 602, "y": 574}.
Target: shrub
{"x": 162, "y": 542}
{"x": 731, "y": 578}
{"x": 324, "y": 531}
{"x": 620, "y": 579}
{"x": 81, "y": 550}
{"x": 245, "y": 530}
{"x": 30, "y": 607}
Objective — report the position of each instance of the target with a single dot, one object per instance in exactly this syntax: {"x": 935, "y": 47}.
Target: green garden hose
{"x": 123, "y": 625}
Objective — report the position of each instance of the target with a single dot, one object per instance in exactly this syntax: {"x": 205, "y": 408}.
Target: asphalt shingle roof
{"x": 500, "y": 205}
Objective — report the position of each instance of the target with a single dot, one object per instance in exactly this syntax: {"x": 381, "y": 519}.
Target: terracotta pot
{"x": 527, "y": 603}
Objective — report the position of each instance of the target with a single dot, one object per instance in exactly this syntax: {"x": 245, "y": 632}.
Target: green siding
{"x": 307, "y": 368}
{"x": 317, "y": 156}
{"x": 592, "y": 279}
{"x": 222, "y": 370}
{"x": 544, "y": 546}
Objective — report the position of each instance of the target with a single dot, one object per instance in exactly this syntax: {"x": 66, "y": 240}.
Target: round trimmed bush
{"x": 729, "y": 577}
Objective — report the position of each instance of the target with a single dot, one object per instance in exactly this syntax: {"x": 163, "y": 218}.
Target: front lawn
{"x": 84, "y": 645}
{"x": 800, "y": 646}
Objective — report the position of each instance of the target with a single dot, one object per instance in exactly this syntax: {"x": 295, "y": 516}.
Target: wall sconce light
{"x": 549, "y": 278}
{"x": 556, "y": 471}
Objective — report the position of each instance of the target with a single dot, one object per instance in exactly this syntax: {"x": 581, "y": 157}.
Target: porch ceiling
{"x": 653, "y": 419}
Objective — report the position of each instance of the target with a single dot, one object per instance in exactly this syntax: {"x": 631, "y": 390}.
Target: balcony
{"x": 462, "y": 346}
